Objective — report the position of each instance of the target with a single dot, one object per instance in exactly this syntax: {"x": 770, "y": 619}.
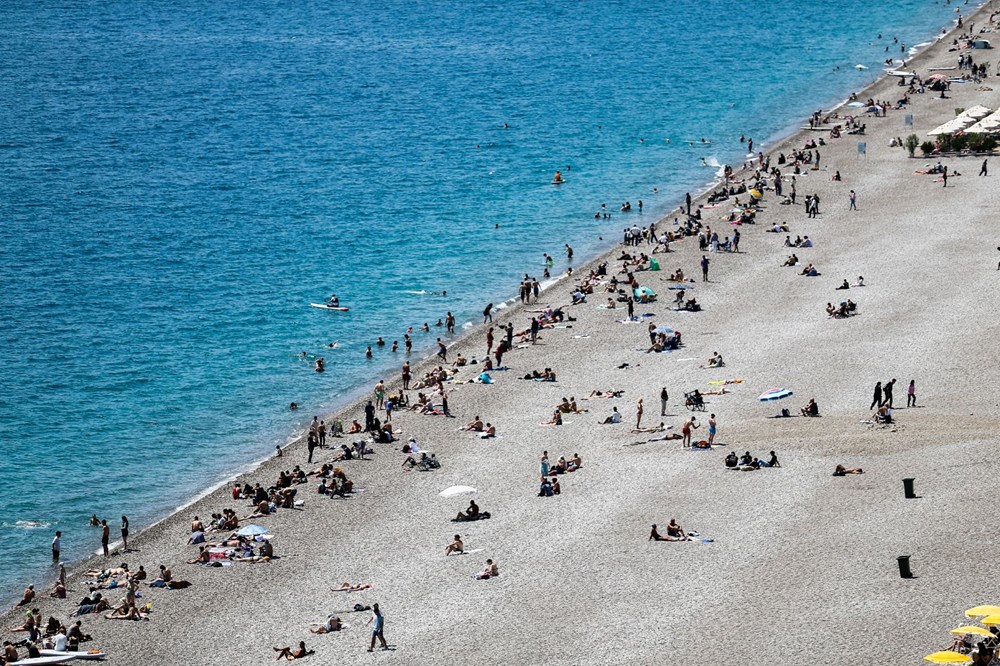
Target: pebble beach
{"x": 791, "y": 563}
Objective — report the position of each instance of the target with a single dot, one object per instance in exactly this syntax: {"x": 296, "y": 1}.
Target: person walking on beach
{"x": 442, "y": 351}
{"x": 311, "y": 445}
{"x": 911, "y": 394}
{"x": 378, "y": 621}
{"x": 712, "y": 425}
{"x": 887, "y": 392}
{"x": 630, "y": 303}
{"x": 322, "y": 433}
{"x": 124, "y": 534}
{"x": 534, "y": 329}
{"x": 664, "y": 396}
{"x": 877, "y": 396}
{"x": 369, "y": 416}
{"x": 105, "y": 537}
{"x": 944, "y": 177}
{"x": 489, "y": 341}
{"x": 406, "y": 375}
{"x": 854, "y": 201}
{"x": 638, "y": 413}
{"x": 704, "y": 268}
{"x": 56, "y": 546}
{"x": 983, "y": 169}
{"x": 736, "y": 241}
{"x": 488, "y": 313}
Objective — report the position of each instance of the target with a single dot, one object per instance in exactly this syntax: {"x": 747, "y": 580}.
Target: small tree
{"x": 911, "y": 142}
{"x": 926, "y": 148}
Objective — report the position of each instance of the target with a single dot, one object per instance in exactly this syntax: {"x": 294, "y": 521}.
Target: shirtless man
{"x": 29, "y": 596}
{"x": 455, "y": 546}
{"x": 675, "y": 531}
{"x": 686, "y": 431}
{"x": 475, "y": 425}
{"x": 196, "y": 525}
{"x": 333, "y": 623}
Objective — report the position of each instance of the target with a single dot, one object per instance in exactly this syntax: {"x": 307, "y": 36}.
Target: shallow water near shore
{"x": 178, "y": 185}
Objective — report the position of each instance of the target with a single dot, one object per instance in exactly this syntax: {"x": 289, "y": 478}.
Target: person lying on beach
{"x": 333, "y": 623}
{"x": 456, "y": 546}
{"x": 840, "y": 470}
{"x": 658, "y": 428}
{"x": 615, "y": 417}
{"x": 475, "y": 425}
{"x": 290, "y": 654}
{"x": 811, "y": 408}
{"x": 605, "y": 394}
{"x": 86, "y": 609}
{"x": 31, "y": 620}
{"x": 347, "y": 587}
{"x": 490, "y": 571}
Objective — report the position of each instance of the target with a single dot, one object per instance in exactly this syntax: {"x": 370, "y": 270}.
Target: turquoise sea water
{"x": 179, "y": 181}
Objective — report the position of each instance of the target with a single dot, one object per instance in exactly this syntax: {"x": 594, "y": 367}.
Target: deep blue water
{"x": 179, "y": 180}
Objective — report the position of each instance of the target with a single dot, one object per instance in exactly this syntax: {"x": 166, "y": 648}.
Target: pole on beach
{"x": 908, "y": 489}
{"x": 904, "y": 566}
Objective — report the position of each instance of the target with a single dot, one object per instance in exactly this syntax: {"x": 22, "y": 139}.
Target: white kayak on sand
{"x": 324, "y": 306}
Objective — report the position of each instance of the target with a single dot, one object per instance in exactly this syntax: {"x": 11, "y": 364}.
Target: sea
{"x": 179, "y": 181}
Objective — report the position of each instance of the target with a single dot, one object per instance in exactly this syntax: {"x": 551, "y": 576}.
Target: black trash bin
{"x": 908, "y": 489}
{"x": 904, "y": 566}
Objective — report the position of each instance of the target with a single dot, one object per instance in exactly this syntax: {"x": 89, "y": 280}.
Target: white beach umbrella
{"x": 455, "y": 491}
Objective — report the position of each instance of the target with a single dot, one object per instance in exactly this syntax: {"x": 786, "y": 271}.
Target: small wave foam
{"x": 27, "y": 524}
{"x": 917, "y": 48}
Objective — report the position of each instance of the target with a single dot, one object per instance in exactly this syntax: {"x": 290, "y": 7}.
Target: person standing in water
{"x": 569, "y": 252}
{"x": 488, "y": 313}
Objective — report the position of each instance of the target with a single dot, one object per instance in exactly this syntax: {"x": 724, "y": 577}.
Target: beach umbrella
{"x": 855, "y": 104}
{"x": 971, "y": 629}
{"x": 756, "y": 193}
{"x": 991, "y": 620}
{"x": 663, "y": 329}
{"x": 948, "y": 657}
{"x": 455, "y": 491}
{"x": 981, "y": 611}
{"x": 644, "y": 291}
{"x": 251, "y": 530}
{"x": 938, "y": 77}
{"x": 774, "y": 394}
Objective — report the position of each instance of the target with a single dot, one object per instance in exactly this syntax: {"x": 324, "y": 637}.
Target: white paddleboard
{"x": 75, "y": 655}
{"x": 62, "y": 658}
{"x": 324, "y": 306}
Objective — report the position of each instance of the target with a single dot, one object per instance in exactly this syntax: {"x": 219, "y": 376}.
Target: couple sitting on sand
{"x": 847, "y": 308}
{"x": 548, "y": 488}
{"x": 674, "y": 533}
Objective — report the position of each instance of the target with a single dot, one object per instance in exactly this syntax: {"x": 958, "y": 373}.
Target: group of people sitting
{"x": 486, "y": 430}
{"x": 674, "y": 533}
{"x": 803, "y": 241}
{"x": 52, "y": 636}
{"x": 748, "y": 462}
{"x": 847, "y": 308}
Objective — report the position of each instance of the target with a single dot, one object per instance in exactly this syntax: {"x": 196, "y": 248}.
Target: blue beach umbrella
{"x": 251, "y": 530}
{"x": 681, "y": 287}
{"x": 774, "y": 394}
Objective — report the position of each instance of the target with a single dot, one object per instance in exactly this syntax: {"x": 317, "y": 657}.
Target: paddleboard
{"x": 63, "y": 658}
{"x": 558, "y": 182}
{"x": 324, "y": 306}
{"x": 76, "y": 655}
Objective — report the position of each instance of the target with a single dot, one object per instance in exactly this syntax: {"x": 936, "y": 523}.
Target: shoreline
{"x": 354, "y": 398}
{"x": 464, "y": 340}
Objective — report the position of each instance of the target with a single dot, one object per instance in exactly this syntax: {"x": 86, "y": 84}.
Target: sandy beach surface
{"x": 801, "y": 566}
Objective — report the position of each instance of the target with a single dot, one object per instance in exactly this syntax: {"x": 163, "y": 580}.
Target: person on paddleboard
{"x": 333, "y": 301}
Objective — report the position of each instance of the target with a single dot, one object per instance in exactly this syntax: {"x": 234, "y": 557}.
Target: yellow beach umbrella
{"x": 971, "y": 629}
{"x": 990, "y": 620}
{"x": 980, "y": 611}
{"x": 756, "y": 193}
{"x": 948, "y": 657}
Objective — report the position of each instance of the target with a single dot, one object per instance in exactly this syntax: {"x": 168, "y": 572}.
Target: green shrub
{"x": 926, "y": 148}
{"x": 911, "y": 142}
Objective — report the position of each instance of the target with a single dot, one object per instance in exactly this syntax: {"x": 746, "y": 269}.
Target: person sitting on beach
{"x": 714, "y": 361}
{"x": 615, "y": 417}
{"x": 840, "y": 470}
{"x": 746, "y": 458}
{"x": 355, "y": 427}
{"x": 490, "y": 571}
{"x": 773, "y": 461}
{"x": 475, "y": 425}
{"x": 654, "y": 535}
{"x": 806, "y": 242}
{"x": 456, "y": 546}
{"x": 125, "y": 611}
{"x": 732, "y": 460}
{"x": 333, "y": 623}
{"x": 545, "y": 489}
{"x": 808, "y": 269}
{"x": 202, "y": 558}
{"x": 811, "y": 408}
{"x": 692, "y": 305}
{"x": 471, "y": 513}
{"x": 860, "y": 282}
{"x": 883, "y": 414}
{"x": 830, "y": 310}
{"x": 675, "y": 531}
{"x": 490, "y": 432}
{"x": 792, "y": 260}
{"x": 290, "y": 654}
{"x": 844, "y": 285}
{"x": 556, "y": 419}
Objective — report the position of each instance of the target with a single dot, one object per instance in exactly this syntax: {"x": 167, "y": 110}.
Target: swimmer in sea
{"x": 368, "y": 352}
